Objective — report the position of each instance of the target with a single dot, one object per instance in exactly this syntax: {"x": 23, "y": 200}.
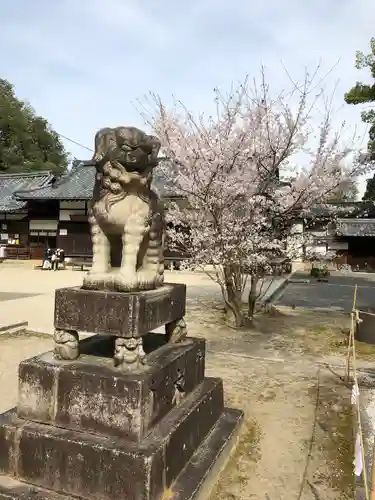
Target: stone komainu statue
{"x": 126, "y": 215}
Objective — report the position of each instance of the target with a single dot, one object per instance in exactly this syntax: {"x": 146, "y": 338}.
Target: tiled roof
{"x": 10, "y": 183}
{"x": 355, "y": 227}
{"x": 78, "y": 184}
{"x": 327, "y": 210}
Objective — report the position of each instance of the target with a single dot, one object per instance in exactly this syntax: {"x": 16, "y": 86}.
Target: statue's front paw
{"x": 159, "y": 281}
{"x": 92, "y": 281}
{"x": 126, "y": 282}
{"x": 99, "y": 281}
{"x": 146, "y": 280}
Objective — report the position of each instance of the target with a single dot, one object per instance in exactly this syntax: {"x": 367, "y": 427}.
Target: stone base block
{"x": 195, "y": 482}
{"x": 91, "y": 395}
{"x": 200, "y": 475}
{"x": 95, "y": 467}
{"x": 11, "y": 489}
{"x": 118, "y": 313}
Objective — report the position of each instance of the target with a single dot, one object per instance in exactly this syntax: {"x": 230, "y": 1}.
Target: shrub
{"x": 319, "y": 270}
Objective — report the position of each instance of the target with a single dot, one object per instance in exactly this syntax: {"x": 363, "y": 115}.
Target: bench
{"x": 41, "y": 268}
{"x": 78, "y": 261}
{"x": 174, "y": 263}
{"x": 80, "y": 265}
{"x": 83, "y": 261}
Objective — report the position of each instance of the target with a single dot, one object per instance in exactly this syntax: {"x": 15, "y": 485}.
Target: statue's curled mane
{"x": 124, "y": 159}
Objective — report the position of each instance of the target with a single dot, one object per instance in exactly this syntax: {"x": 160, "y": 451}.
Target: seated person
{"x": 47, "y": 257}
{"x": 60, "y": 256}
{"x": 54, "y": 261}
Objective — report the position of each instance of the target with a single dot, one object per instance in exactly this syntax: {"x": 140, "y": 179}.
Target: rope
{"x": 351, "y": 355}
{"x": 365, "y": 312}
{"x": 364, "y": 470}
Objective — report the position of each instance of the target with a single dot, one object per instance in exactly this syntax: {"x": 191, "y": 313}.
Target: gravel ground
{"x": 287, "y": 411}
{"x": 296, "y": 442}
{"x": 298, "y": 425}
{"x": 14, "y": 349}
{"x": 286, "y": 375}
{"x": 34, "y": 291}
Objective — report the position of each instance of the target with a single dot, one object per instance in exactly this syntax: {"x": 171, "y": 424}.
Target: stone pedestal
{"x": 90, "y": 429}
{"x": 118, "y": 313}
{"x": 126, "y": 316}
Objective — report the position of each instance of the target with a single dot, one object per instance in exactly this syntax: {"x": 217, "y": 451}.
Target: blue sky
{"x": 82, "y": 64}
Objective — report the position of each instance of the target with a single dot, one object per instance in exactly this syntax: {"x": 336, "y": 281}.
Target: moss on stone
{"x": 237, "y": 469}
{"x": 335, "y": 439}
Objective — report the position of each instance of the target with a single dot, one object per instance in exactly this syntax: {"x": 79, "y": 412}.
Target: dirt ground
{"x": 14, "y": 349}
{"x": 286, "y": 374}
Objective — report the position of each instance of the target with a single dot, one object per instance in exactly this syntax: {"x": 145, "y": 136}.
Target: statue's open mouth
{"x": 132, "y": 162}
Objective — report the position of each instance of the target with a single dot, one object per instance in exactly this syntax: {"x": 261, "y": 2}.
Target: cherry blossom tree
{"x": 247, "y": 172}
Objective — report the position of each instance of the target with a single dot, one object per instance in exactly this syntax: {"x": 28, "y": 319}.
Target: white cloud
{"x": 82, "y": 63}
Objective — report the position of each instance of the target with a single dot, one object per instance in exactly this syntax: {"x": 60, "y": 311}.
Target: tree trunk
{"x": 252, "y": 298}
{"x": 235, "y": 306}
{"x": 236, "y": 309}
{"x": 232, "y": 294}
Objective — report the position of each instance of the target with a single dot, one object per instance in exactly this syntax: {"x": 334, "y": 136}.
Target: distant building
{"x": 39, "y": 210}
{"x": 18, "y": 218}
{"x": 350, "y": 236}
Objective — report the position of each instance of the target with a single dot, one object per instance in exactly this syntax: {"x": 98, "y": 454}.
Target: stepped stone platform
{"x": 87, "y": 428}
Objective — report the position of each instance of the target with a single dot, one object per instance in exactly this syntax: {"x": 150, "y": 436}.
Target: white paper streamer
{"x": 357, "y": 462}
{"x": 355, "y": 394}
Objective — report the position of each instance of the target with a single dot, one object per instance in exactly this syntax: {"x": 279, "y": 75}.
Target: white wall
{"x": 338, "y": 245}
{"x": 68, "y": 208}
{"x": 316, "y": 250}
{"x": 43, "y": 225}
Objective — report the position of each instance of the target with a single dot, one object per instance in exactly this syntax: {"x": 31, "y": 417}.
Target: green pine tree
{"x": 363, "y": 93}
{"x": 370, "y": 190}
{"x": 27, "y": 142}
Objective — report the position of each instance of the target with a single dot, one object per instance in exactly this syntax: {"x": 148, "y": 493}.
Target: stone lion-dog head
{"x": 123, "y": 155}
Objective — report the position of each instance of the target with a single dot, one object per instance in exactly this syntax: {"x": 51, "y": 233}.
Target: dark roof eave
{"x": 22, "y": 193}
{"x": 79, "y": 184}
{"x": 41, "y": 173}
{"x": 10, "y": 182}
{"x": 78, "y": 198}
{"x": 343, "y": 234}
{"x": 51, "y": 198}
{"x": 8, "y": 210}
{"x": 173, "y": 197}
{"x": 355, "y": 228}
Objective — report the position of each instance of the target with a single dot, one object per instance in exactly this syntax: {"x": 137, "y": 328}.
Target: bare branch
{"x": 239, "y": 213}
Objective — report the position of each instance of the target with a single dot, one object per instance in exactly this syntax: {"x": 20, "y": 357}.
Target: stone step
{"x": 91, "y": 394}
{"x": 11, "y": 489}
{"x": 195, "y": 482}
{"x": 200, "y": 475}
{"x": 100, "y": 468}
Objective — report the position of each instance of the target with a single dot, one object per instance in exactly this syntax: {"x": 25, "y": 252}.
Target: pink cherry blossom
{"x": 247, "y": 174}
